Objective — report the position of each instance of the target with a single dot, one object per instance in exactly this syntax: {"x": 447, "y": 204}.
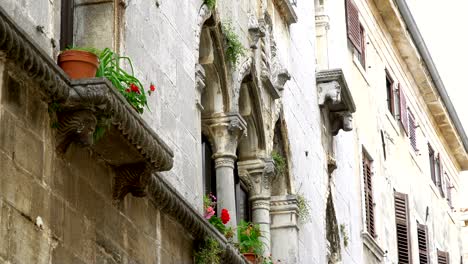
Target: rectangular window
{"x": 402, "y": 228}
{"x": 390, "y": 91}
{"x": 442, "y": 257}
{"x": 208, "y": 168}
{"x": 423, "y": 244}
{"x": 66, "y": 24}
{"x": 368, "y": 194}
{"x": 432, "y": 163}
{"x": 412, "y": 130}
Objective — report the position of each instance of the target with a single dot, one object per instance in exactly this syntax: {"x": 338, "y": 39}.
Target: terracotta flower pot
{"x": 78, "y": 64}
{"x": 250, "y": 257}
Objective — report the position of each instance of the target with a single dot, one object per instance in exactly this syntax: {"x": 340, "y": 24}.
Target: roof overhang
{"x": 408, "y": 40}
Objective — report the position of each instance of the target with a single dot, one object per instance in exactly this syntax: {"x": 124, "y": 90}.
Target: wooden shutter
{"x": 402, "y": 228}
{"x": 403, "y": 110}
{"x": 423, "y": 245}
{"x": 412, "y": 130}
{"x": 441, "y": 177}
{"x": 354, "y": 28}
{"x": 369, "y": 198}
{"x": 66, "y": 24}
{"x": 432, "y": 162}
{"x": 442, "y": 257}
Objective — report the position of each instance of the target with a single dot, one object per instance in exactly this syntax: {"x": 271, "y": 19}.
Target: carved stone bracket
{"x": 131, "y": 178}
{"x": 75, "y": 126}
{"x": 335, "y": 97}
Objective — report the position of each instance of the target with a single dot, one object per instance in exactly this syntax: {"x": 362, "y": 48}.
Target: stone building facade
{"x": 307, "y": 88}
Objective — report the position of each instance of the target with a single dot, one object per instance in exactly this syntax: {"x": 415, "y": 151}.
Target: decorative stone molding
{"x": 334, "y": 95}
{"x": 287, "y": 11}
{"x": 372, "y": 245}
{"x": 284, "y": 228}
{"x": 223, "y": 131}
{"x": 203, "y": 14}
{"x": 19, "y": 48}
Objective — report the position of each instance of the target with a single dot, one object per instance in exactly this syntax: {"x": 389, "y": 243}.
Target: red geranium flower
{"x": 225, "y": 216}
{"x": 152, "y": 88}
{"x": 134, "y": 88}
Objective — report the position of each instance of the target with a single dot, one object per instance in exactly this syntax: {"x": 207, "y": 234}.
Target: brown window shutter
{"x": 402, "y": 228}
{"x": 354, "y": 28}
{"x": 442, "y": 257}
{"x": 449, "y": 192}
{"x": 441, "y": 177}
{"x": 403, "y": 110}
{"x": 369, "y": 198}
{"x": 412, "y": 130}
{"x": 423, "y": 244}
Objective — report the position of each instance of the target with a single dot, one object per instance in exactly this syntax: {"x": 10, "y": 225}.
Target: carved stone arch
{"x": 211, "y": 70}
{"x": 203, "y": 15}
{"x": 250, "y": 108}
{"x": 244, "y": 69}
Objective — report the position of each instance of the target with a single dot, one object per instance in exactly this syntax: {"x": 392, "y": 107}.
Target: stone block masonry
{"x": 71, "y": 193}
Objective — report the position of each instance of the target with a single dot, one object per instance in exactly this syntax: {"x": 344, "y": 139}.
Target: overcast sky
{"x": 443, "y": 25}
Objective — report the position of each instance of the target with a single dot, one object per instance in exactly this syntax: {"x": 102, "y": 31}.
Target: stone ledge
{"x": 372, "y": 245}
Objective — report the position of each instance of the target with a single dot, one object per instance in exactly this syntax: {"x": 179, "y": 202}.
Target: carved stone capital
{"x": 75, "y": 126}
{"x": 341, "y": 120}
{"x": 257, "y": 175}
{"x": 131, "y": 178}
{"x": 224, "y": 132}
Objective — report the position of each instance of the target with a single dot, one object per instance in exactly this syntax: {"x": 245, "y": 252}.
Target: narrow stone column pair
{"x": 224, "y": 131}
{"x": 257, "y": 175}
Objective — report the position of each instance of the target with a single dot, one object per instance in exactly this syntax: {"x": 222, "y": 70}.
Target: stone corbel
{"x": 335, "y": 98}
{"x": 256, "y": 31}
{"x": 131, "y": 178}
{"x": 287, "y": 11}
{"x": 257, "y": 175}
{"x": 75, "y": 126}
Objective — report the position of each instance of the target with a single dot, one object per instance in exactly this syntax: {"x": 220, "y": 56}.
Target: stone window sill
{"x": 372, "y": 245}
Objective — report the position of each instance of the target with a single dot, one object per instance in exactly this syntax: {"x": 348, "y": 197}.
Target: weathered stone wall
{"x": 72, "y": 195}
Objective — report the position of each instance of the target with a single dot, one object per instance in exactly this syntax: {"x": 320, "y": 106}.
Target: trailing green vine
{"x": 280, "y": 163}
{"x": 234, "y": 48}
{"x": 209, "y": 252}
{"x": 210, "y": 3}
{"x": 304, "y": 209}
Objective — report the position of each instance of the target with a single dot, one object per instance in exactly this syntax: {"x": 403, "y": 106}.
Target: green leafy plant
{"x": 210, "y": 3}
{"x": 209, "y": 252}
{"x": 304, "y": 209}
{"x": 344, "y": 234}
{"x": 249, "y": 238}
{"x": 234, "y": 48}
{"x": 280, "y": 163}
{"x": 127, "y": 84}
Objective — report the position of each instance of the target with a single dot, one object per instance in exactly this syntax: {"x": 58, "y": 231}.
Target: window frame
{"x": 390, "y": 92}
{"x": 368, "y": 173}
{"x": 67, "y": 23}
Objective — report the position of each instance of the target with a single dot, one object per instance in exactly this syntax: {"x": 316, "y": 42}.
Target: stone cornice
{"x": 429, "y": 86}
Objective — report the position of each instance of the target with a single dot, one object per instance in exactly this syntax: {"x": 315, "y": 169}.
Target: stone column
{"x": 224, "y": 132}
{"x": 257, "y": 175}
